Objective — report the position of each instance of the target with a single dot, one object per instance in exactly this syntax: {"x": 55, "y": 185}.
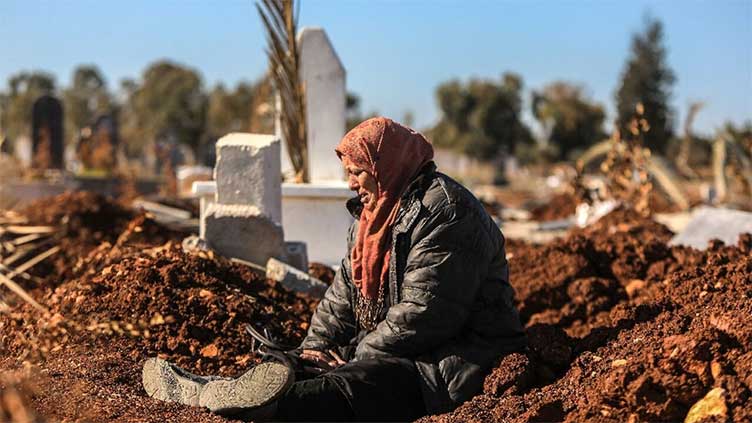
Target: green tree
{"x": 24, "y": 89}
{"x": 570, "y": 121}
{"x": 647, "y": 79}
{"x": 85, "y": 99}
{"x": 481, "y": 118}
{"x": 168, "y": 102}
{"x": 232, "y": 111}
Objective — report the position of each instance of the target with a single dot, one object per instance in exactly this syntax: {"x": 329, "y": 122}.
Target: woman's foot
{"x": 256, "y": 391}
{"x": 167, "y": 382}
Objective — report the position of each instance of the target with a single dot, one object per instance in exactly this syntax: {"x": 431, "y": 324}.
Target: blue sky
{"x": 397, "y": 52}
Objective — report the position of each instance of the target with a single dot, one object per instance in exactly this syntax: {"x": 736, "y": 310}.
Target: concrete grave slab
{"x": 713, "y": 223}
{"x": 248, "y": 172}
{"x": 242, "y": 232}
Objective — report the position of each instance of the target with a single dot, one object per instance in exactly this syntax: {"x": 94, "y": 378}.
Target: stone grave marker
{"x": 709, "y": 223}
{"x": 324, "y": 80}
{"x": 47, "y": 133}
{"x": 244, "y": 220}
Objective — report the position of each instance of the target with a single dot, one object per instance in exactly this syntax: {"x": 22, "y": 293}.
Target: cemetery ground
{"x": 622, "y": 327}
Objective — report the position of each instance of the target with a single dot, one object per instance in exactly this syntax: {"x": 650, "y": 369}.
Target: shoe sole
{"x": 257, "y": 388}
{"x": 162, "y": 382}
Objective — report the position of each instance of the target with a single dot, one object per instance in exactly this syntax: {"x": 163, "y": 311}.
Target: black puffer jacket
{"x": 449, "y": 302}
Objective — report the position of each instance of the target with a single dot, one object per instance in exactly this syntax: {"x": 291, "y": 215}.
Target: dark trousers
{"x": 385, "y": 390}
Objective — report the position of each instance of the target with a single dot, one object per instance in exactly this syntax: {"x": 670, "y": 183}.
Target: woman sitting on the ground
{"x": 417, "y": 315}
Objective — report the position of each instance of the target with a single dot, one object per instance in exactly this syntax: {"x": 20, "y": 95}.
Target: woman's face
{"x": 362, "y": 182}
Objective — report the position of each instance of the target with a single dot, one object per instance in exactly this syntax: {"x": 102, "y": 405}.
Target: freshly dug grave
{"x": 623, "y": 328}
{"x": 129, "y": 303}
{"x": 85, "y": 220}
{"x": 559, "y": 206}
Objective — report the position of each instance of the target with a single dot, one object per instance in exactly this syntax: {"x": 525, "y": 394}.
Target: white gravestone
{"x": 323, "y": 78}
{"x": 248, "y": 172}
{"x": 242, "y": 231}
{"x": 244, "y": 221}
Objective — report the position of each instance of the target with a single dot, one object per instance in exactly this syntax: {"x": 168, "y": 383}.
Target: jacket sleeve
{"x": 333, "y": 323}
{"x": 443, "y": 273}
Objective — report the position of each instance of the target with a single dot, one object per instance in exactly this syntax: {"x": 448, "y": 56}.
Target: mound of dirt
{"x": 85, "y": 220}
{"x": 321, "y": 272}
{"x": 128, "y": 304}
{"x": 623, "y": 328}
{"x": 559, "y": 206}
{"x": 122, "y": 292}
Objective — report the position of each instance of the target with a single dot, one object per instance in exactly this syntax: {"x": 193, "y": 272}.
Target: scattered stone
{"x": 712, "y": 404}
{"x": 294, "y": 279}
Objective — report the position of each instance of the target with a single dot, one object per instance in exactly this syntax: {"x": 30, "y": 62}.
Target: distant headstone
{"x": 23, "y": 150}
{"x": 106, "y": 126}
{"x": 323, "y": 77}
{"x": 47, "y": 133}
{"x": 709, "y": 223}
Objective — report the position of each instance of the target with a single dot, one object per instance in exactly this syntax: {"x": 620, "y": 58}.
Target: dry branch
{"x": 4, "y": 280}
{"x": 23, "y": 230}
{"x": 280, "y": 19}
{"x": 38, "y": 258}
{"x": 21, "y": 252}
{"x": 27, "y": 238}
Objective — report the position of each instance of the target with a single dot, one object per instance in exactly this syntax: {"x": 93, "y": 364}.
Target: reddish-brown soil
{"x": 129, "y": 305}
{"x": 559, "y": 206}
{"x": 123, "y": 301}
{"x": 86, "y": 220}
{"x": 623, "y": 328}
{"x": 322, "y": 272}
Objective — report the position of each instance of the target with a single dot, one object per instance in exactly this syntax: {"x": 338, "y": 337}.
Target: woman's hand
{"x": 328, "y": 360}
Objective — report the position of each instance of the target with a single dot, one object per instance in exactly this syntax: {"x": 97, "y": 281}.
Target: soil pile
{"x": 129, "y": 303}
{"x": 559, "y": 206}
{"x": 84, "y": 221}
{"x": 623, "y": 328}
{"x": 321, "y": 272}
{"x": 120, "y": 295}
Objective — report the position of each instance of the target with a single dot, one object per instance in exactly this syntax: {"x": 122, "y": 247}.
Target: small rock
{"x": 712, "y": 404}
{"x": 209, "y": 351}
{"x": 716, "y": 369}
{"x": 633, "y": 286}
{"x": 157, "y": 319}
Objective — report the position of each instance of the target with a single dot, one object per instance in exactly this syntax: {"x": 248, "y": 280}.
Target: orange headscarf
{"x": 393, "y": 154}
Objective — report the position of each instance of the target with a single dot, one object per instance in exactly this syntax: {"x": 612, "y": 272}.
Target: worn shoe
{"x": 168, "y": 382}
{"x": 256, "y": 390}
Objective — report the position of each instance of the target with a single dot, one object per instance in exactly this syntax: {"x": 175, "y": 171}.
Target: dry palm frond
{"x": 23, "y": 230}
{"x": 33, "y": 261}
{"x": 280, "y": 18}
{"x": 4, "y": 280}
